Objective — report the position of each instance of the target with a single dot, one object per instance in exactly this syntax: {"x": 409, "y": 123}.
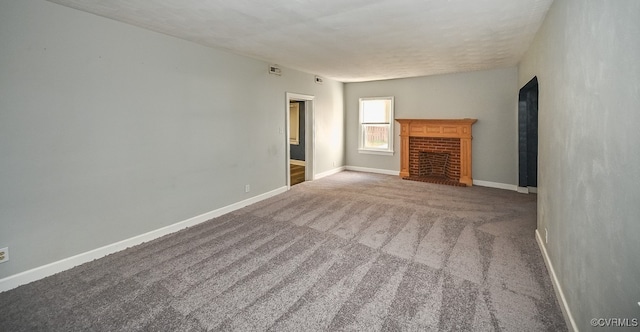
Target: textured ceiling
{"x": 346, "y": 40}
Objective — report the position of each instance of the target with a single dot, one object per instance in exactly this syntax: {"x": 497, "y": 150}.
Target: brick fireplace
{"x": 437, "y": 150}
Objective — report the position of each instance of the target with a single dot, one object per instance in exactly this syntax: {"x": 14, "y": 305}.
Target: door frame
{"x": 310, "y": 135}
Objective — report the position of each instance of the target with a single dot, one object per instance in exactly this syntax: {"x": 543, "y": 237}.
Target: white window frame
{"x": 361, "y": 148}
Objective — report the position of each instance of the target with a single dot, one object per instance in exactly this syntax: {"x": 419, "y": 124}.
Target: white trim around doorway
{"x": 310, "y": 135}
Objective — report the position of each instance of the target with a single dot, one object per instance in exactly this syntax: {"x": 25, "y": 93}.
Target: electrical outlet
{"x": 4, "y": 254}
{"x": 247, "y": 188}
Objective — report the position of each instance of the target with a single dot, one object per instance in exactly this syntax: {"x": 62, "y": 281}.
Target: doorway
{"x": 299, "y": 138}
{"x": 528, "y": 137}
{"x": 297, "y": 141}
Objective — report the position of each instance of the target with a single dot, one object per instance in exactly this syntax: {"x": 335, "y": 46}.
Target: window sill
{"x": 383, "y": 153}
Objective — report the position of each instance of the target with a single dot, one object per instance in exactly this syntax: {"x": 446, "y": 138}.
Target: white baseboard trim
{"x": 40, "y": 272}
{"x": 372, "y": 170}
{"x": 495, "y": 185}
{"x": 396, "y": 173}
{"x": 329, "y": 172}
{"x": 533, "y": 190}
{"x": 297, "y": 162}
{"x": 564, "y": 306}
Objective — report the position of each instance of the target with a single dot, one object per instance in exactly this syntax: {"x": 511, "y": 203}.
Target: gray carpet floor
{"x": 353, "y": 251}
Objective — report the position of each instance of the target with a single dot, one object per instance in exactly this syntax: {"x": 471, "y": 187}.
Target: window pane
{"x": 376, "y": 136}
{"x": 376, "y": 111}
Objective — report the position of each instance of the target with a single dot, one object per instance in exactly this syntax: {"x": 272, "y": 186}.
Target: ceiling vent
{"x": 275, "y": 70}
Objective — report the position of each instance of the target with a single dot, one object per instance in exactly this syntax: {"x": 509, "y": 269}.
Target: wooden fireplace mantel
{"x": 445, "y": 128}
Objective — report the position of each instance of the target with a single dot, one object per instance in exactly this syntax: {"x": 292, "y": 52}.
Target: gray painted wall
{"x": 586, "y": 59}
{"x": 490, "y": 96}
{"x": 108, "y": 131}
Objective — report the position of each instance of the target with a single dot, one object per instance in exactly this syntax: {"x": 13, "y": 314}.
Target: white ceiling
{"x": 346, "y": 40}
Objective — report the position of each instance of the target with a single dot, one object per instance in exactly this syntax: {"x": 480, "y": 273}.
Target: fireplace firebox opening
{"x": 433, "y": 164}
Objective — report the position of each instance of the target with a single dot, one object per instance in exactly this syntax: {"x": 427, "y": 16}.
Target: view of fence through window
{"x": 376, "y": 136}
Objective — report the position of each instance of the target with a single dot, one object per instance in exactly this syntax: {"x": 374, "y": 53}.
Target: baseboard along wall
{"x": 564, "y": 306}
{"x": 297, "y": 162}
{"x": 40, "y": 272}
{"x": 329, "y": 172}
{"x": 498, "y": 185}
{"x": 372, "y": 170}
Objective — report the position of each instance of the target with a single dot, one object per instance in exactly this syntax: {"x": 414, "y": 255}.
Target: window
{"x": 376, "y": 125}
